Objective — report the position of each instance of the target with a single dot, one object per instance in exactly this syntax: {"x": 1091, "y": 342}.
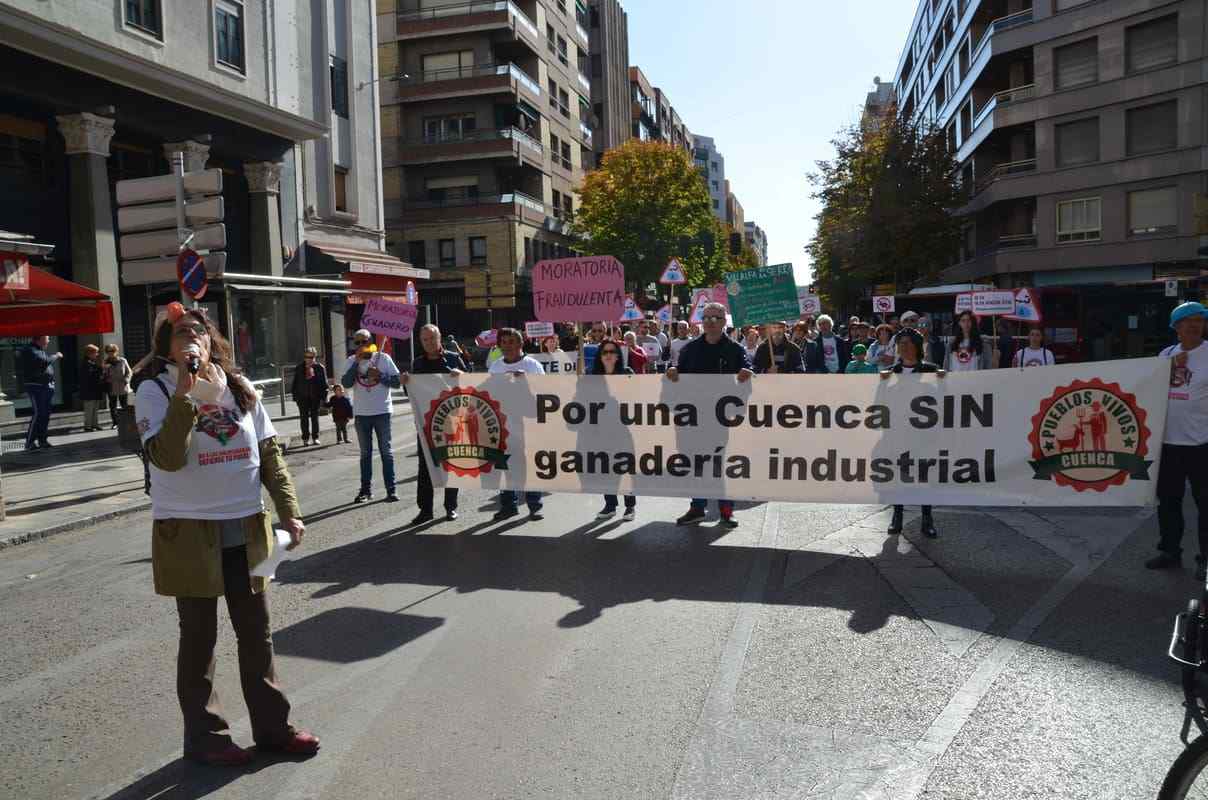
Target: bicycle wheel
{"x": 1188, "y": 778}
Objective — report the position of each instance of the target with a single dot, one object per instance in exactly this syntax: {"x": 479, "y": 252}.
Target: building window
{"x": 562, "y": 6}
{"x": 228, "y": 33}
{"x": 715, "y": 207}
{"x": 713, "y": 166}
{"x": 1153, "y": 210}
{"x": 550, "y": 36}
{"x": 554, "y": 149}
{"x": 461, "y": 190}
{"x": 478, "y": 250}
{"x": 1077, "y": 64}
{"x": 341, "y": 182}
{"x": 562, "y": 52}
{"x": 417, "y": 253}
{"x": 145, "y": 15}
{"x": 564, "y": 103}
{"x": 339, "y": 86}
{"x": 568, "y": 207}
{"x": 446, "y": 66}
{"x": 716, "y": 186}
{"x": 566, "y": 154}
{"x": 448, "y": 253}
{"x": 453, "y": 128}
{"x": 1151, "y": 129}
{"x": 557, "y": 204}
{"x": 1152, "y": 44}
{"x": 1078, "y": 142}
{"x": 595, "y": 17}
{"x": 553, "y": 94}
{"x": 528, "y": 251}
{"x": 1079, "y": 220}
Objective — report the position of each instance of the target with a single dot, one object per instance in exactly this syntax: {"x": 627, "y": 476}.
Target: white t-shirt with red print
{"x": 370, "y": 396}
{"x": 963, "y": 358}
{"x": 1187, "y": 411}
{"x": 221, "y": 476}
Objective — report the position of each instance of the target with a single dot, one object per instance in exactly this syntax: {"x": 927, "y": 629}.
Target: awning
{"x": 370, "y": 262}
{"x": 34, "y": 302}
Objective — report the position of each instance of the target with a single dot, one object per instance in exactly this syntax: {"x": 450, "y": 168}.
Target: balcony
{"x": 1005, "y": 169}
{"x": 998, "y": 26}
{"x": 468, "y": 17}
{"x": 509, "y": 143}
{"x": 512, "y": 204}
{"x": 585, "y": 84}
{"x": 465, "y": 81}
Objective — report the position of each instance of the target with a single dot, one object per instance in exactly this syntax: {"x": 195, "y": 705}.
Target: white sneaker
{"x": 607, "y": 513}
{"x": 629, "y": 514}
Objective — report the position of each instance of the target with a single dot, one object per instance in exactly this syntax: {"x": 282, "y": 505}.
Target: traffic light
{"x": 735, "y": 244}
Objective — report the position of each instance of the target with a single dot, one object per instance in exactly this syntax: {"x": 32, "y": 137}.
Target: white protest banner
{"x": 883, "y": 304}
{"x": 1070, "y": 435}
{"x": 992, "y": 304}
{"x": 558, "y": 363}
{"x": 388, "y": 318}
{"x": 538, "y": 330}
{"x": 964, "y": 302}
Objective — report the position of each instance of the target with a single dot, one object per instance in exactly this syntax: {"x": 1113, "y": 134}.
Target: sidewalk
{"x": 87, "y": 477}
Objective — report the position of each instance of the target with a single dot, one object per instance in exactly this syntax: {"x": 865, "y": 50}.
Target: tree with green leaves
{"x": 887, "y": 201}
{"x": 645, "y": 204}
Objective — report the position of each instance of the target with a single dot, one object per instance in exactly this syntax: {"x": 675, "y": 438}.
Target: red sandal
{"x": 300, "y": 743}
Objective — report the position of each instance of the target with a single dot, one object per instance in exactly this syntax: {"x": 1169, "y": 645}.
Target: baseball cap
{"x": 363, "y": 334}
{"x": 859, "y": 350}
{"x": 1185, "y": 310}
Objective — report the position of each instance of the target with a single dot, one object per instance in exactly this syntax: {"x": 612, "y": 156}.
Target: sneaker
{"x": 535, "y": 515}
{"x": 1164, "y": 561}
{"x": 507, "y": 512}
{"x": 629, "y": 514}
{"x": 421, "y": 518}
{"x": 728, "y": 521}
{"x": 607, "y": 512}
{"x": 306, "y": 442}
{"x": 693, "y": 516}
{"x": 391, "y": 497}
{"x": 316, "y": 441}
{"x": 31, "y": 447}
{"x": 364, "y": 496}
{"x": 929, "y": 528}
{"x": 450, "y": 514}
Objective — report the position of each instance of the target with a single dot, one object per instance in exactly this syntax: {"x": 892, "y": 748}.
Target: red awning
{"x": 34, "y": 302}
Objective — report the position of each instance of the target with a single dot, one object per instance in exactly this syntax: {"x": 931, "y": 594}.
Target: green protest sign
{"x": 763, "y": 294}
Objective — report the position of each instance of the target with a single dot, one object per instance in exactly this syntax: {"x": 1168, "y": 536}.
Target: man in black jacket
{"x": 712, "y": 353}
{"x": 309, "y": 390}
{"x": 786, "y": 357}
{"x": 433, "y": 360}
{"x": 38, "y": 372}
{"x": 828, "y": 354}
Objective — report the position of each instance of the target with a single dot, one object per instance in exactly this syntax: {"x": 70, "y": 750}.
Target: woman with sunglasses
{"x": 212, "y": 448}
{"x": 309, "y": 391}
{"x": 610, "y": 361}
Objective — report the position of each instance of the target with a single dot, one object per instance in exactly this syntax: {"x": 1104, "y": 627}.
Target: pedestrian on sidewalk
{"x": 712, "y": 353}
{"x": 371, "y": 375}
{"x": 309, "y": 391}
{"x": 118, "y": 375}
{"x": 38, "y": 373}
{"x": 434, "y": 360}
{"x": 609, "y": 361}
{"x": 92, "y": 386}
{"x": 211, "y": 448}
{"x": 1185, "y": 446}
{"x": 341, "y": 412}
{"x": 513, "y": 360}
{"x": 910, "y": 361}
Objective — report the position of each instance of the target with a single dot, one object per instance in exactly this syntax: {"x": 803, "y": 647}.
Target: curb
{"x": 133, "y": 508}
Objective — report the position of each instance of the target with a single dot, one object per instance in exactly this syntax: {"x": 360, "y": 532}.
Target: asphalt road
{"x": 804, "y": 655}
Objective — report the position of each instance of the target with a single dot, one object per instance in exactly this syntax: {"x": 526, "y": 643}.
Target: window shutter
{"x": 1078, "y": 142}
{"x": 1150, "y": 129}
{"x": 1077, "y": 64}
{"x": 1151, "y": 210}
{"x": 1152, "y": 44}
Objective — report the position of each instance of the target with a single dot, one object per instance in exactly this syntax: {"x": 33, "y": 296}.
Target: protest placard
{"x": 387, "y": 318}
{"x": 993, "y": 303}
{"x": 579, "y": 289}
{"x": 762, "y": 294}
{"x": 538, "y": 330}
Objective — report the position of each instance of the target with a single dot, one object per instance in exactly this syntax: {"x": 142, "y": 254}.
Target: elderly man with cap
{"x": 371, "y": 375}
{"x": 1185, "y": 447}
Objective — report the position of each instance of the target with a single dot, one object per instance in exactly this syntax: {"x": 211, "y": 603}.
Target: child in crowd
{"x": 859, "y": 362}
{"x": 341, "y": 411}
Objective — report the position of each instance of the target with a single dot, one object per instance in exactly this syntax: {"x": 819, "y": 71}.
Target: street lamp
{"x": 363, "y": 84}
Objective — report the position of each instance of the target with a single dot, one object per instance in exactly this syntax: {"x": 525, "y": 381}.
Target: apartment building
{"x": 1079, "y": 128}
{"x": 486, "y": 130}
{"x": 734, "y": 212}
{"x": 671, "y": 128}
{"x": 608, "y": 31}
{"x": 876, "y": 103}
{"x": 712, "y": 165}
{"x": 279, "y": 96}
{"x": 758, "y": 241}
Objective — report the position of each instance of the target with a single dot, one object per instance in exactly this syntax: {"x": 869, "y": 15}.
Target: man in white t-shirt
{"x": 1185, "y": 447}
{"x": 681, "y": 339}
{"x": 511, "y": 342}
{"x": 1035, "y": 354}
{"x": 371, "y": 375}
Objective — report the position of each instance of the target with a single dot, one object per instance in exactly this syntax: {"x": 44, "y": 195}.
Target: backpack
{"x": 131, "y": 439}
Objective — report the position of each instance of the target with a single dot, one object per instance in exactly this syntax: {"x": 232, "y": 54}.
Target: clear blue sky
{"x": 772, "y": 81}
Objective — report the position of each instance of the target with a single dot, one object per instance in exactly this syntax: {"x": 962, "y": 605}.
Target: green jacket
{"x": 186, "y": 554}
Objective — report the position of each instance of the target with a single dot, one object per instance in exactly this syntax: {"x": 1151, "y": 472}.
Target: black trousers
{"x": 308, "y": 410}
{"x": 1182, "y": 464}
{"x": 114, "y": 401}
{"x": 926, "y": 510}
{"x": 424, "y": 491}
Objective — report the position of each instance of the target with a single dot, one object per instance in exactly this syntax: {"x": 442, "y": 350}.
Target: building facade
{"x": 876, "y": 103}
{"x": 671, "y": 129}
{"x": 485, "y": 135}
{"x": 1079, "y": 129}
{"x": 734, "y": 212}
{"x": 712, "y": 165}
{"x": 94, "y": 93}
{"x": 608, "y": 31}
{"x": 758, "y": 241}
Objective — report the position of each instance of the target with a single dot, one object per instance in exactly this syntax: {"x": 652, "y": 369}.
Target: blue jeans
{"x": 512, "y": 499}
{"x": 367, "y": 426}
{"x": 40, "y": 398}
{"x": 726, "y": 507}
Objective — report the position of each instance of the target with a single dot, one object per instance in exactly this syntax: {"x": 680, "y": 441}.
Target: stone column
{"x": 93, "y": 243}
{"x": 196, "y": 154}
{"x": 264, "y": 186}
